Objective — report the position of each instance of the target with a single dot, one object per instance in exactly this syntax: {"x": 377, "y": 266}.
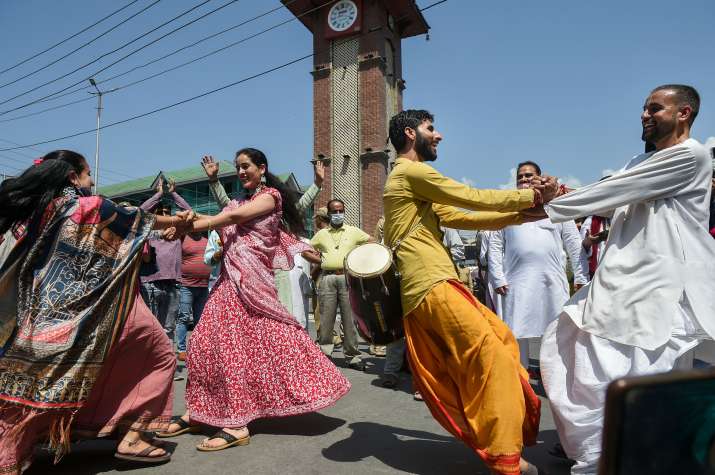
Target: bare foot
{"x": 218, "y": 442}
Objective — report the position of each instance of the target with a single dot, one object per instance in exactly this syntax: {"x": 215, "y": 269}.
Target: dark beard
{"x": 660, "y": 131}
{"x": 423, "y": 149}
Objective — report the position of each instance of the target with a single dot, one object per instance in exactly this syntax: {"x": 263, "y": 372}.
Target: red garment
{"x": 244, "y": 367}
{"x": 596, "y": 222}
{"x": 194, "y": 272}
{"x": 249, "y": 358}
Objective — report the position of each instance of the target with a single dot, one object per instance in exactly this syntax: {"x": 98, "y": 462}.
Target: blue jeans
{"x": 191, "y": 303}
{"x": 161, "y": 296}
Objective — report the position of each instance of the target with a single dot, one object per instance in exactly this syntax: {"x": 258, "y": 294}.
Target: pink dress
{"x": 248, "y": 357}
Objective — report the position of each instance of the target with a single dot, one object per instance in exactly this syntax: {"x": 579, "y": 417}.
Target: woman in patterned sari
{"x": 249, "y": 358}
{"x": 80, "y": 353}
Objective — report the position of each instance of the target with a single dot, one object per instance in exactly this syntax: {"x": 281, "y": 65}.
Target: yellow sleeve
{"x": 452, "y": 217}
{"x": 362, "y": 236}
{"x": 429, "y": 185}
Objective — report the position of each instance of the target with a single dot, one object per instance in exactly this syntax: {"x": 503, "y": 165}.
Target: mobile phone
{"x": 660, "y": 424}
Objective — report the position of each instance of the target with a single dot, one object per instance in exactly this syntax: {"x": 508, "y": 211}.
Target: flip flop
{"x": 184, "y": 428}
{"x": 228, "y": 438}
{"x": 144, "y": 456}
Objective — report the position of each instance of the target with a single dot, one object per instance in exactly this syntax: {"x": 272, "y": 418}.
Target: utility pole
{"x": 99, "y": 95}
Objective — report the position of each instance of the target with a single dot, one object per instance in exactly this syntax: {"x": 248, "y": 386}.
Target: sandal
{"x": 228, "y": 438}
{"x": 144, "y": 456}
{"x": 184, "y": 428}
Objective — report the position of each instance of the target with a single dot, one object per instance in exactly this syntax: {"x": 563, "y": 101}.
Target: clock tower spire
{"x": 357, "y": 87}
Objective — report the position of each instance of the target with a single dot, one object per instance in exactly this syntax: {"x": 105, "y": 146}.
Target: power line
{"x": 211, "y": 53}
{"x": 46, "y": 110}
{"x": 68, "y": 38}
{"x": 82, "y": 88}
{"x": 98, "y": 58}
{"x": 78, "y": 48}
{"x": 204, "y": 94}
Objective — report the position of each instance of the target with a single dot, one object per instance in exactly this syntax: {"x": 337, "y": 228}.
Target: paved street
{"x": 371, "y": 430}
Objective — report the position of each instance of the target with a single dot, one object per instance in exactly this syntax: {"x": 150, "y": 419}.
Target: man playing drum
{"x": 464, "y": 359}
{"x": 334, "y": 242}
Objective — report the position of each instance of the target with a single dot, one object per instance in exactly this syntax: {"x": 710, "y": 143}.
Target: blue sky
{"x": 559, "y": 82}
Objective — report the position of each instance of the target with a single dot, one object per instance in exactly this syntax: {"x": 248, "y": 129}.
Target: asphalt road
{"x": 372, "y": 430}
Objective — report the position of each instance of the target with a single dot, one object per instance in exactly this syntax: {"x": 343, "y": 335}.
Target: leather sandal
{"x": 184, "y": 428}
{"x": 144, "y": 457}
{"x": 228, "y": 438}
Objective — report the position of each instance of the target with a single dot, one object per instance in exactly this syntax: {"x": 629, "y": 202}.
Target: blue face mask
{"x": 336, "y": 219}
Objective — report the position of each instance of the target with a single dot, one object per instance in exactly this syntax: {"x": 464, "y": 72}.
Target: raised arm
{"x": 211, "y": 167}
{"x": 660, "y": 176}
{"x": 430, "y": 185}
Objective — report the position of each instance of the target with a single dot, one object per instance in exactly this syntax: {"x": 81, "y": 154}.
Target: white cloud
{"x": 468, "y": 181}
{"x": 511, "y": 184}
{"x": 571, "y": 181}
{"x": 608, "y": 171}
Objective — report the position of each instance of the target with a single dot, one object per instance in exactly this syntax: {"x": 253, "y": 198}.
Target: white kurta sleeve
{"x": 495, "y": 257}
{"x": 663, "y": 174}
{"x": 572, "y": 244}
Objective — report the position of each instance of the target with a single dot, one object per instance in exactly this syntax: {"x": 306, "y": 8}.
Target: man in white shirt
{"x": 526, "y": 267}
{"x": 651, "y": 299}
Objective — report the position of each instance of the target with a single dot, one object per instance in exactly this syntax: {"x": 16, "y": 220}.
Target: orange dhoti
{"x": 465, "y": 362}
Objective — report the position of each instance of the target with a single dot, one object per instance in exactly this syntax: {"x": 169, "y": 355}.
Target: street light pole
{"x": 99, "y": 95}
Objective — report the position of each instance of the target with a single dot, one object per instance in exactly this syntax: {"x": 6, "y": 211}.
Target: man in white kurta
{"x": 527, "y": 267}
{"x": 651, "y": 299}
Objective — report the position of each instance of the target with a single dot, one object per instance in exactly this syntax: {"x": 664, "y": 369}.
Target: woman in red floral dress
{"x": 249, "y": 358}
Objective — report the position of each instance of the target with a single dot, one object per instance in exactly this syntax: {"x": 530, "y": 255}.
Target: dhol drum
{"x": 374, "y": 289}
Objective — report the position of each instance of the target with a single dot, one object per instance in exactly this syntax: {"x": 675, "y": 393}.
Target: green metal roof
{"x": 185, "y": 175}
{"x": 180, "y": 176}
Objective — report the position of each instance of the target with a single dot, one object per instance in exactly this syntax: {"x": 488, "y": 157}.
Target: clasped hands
{"x": 546, "y": 188}
{"x": 181, "y": 224}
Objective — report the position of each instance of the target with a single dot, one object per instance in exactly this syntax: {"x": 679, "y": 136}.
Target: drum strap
{"x": 415, "y": 225}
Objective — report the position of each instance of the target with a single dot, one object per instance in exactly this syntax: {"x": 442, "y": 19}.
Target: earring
{"x": 263, "y": 179}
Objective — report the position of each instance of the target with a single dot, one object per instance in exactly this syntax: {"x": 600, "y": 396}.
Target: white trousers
{"x": 576, "y": 368}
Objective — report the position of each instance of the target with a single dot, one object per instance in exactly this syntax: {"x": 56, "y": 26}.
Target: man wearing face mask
{"x": 334, "y": 243}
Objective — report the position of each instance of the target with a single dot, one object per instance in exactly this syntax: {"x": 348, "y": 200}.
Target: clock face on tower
{"x": 342, "y": 15}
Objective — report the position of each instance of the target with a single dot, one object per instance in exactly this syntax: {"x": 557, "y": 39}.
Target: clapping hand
{"x": 210, "y": 167}
{"x": 171, "y": 185}
{"x": 318, "y": 173}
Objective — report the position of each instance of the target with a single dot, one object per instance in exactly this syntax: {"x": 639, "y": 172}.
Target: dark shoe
{"x": 359, "y": 366}
{"x": 558, "y": 451}
{"x": 390, "y": 381}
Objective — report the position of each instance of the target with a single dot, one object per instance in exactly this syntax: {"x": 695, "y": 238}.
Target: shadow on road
{"x": 411, "y": 451}
{"x": 88, "y": 458}
{"x": 305, "y": 424}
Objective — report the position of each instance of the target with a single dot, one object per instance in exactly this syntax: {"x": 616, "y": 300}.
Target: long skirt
{"x": 465, "y": 362}
{"x": 577, "y": 367}
{"x": 244, "y": 367}
{"x": 134, "y": 390}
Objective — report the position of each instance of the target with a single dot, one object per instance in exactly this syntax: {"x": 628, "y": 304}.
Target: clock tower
{"x": 357, "y": 87}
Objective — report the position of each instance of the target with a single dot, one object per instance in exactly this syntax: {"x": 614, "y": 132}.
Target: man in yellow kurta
{"x": 464, "y": 359}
